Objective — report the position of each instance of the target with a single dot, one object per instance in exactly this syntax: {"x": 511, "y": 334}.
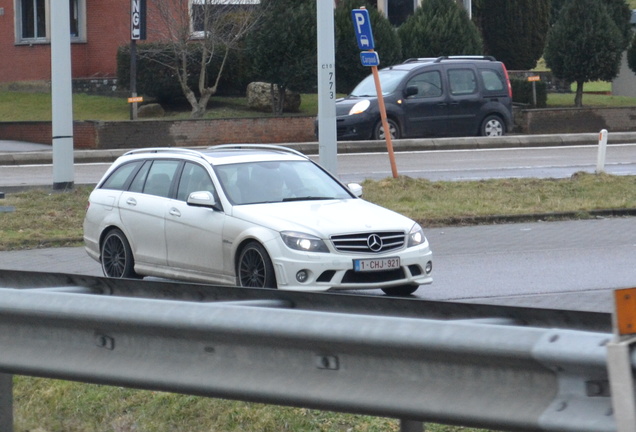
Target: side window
{"x": 492, "y": 80}
{"x": 194, "y": 178}
{"x": 429, "y": 84}
{"x": 138, "y": 182}
{"x": 119, "y": 178}
{"x": 462, "y": 81}
{"x": 160, "y": 177}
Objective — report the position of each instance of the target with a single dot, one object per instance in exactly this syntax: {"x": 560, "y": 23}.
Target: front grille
{"x": 371, "y": 242}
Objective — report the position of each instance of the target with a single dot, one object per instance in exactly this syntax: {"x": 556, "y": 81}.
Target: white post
{"x": 327, "y": 135}
{"x": 602, "y": 150}
{"x": 61, "y": 95}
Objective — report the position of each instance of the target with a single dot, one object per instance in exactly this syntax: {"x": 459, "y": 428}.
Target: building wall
{"x": 107, "y": 28}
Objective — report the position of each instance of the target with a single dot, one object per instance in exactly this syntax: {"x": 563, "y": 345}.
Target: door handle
{"x": 131, "y": 201}
{"x": 175, "y": 212}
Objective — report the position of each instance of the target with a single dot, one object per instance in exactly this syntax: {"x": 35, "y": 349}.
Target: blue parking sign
{"x": 362, "y": 29}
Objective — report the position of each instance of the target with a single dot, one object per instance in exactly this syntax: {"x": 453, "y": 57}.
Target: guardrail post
{"x": 602, "y": 149}
{"x": 6, "y": 402}
{"x": 411, "y": 426}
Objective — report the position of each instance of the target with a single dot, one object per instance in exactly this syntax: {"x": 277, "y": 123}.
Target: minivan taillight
{"x": 507, "y": 80}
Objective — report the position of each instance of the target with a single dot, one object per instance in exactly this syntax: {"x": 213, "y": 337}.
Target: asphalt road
{"x": 564, "y": 265}
{"x": 571, "y": 265}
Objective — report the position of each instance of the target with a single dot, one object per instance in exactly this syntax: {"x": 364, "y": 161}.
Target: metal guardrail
{"x": 482, "y": 366}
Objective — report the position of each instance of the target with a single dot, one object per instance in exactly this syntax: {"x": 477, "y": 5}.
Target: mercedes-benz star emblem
{"x": 374, "y": 242}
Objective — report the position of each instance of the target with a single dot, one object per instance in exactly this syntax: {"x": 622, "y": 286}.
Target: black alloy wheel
{"x": 255, "y": 268}
{"x": 116, "y": 256}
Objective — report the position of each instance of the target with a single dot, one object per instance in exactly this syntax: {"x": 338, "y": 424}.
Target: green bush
{"x": 522, "y": 92}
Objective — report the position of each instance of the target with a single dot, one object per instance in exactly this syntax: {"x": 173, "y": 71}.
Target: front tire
{"x": 255, "y": 268}
{"x": 116, "y": 256}
{"x": 378, "y": 130}
{"x": 492, "y": 126}
{"x": 400, "y": 291}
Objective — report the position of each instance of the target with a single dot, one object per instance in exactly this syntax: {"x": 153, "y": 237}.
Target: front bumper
{"x": 334, "y": 271}
{"x": 355, "y": 127}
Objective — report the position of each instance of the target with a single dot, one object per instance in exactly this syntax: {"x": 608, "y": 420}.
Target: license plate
{"x": 376, "y": 264}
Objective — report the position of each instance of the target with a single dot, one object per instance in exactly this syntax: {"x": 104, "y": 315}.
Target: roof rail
{"x": 465, "y": 57}
{"x": 165, "y": 150}
{"x": 421, "y": 59}
{"x": 257, "y": 146}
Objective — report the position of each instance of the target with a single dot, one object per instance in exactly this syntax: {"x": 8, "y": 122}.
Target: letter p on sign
{"x": 362, "y": 28}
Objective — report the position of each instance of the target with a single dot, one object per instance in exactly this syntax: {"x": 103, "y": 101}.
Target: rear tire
{"x": 254, "y": 268}
{"x": 117, "y": 257}
{"x": 378, "y": 130}
{"x": 400, "y": 291}
{"x": 492, "y": 126}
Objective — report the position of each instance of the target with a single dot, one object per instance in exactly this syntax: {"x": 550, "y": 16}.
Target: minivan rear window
{"x": 492, "y": 80}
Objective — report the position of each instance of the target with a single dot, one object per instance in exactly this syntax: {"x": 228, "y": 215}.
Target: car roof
{"x": 223, "y": 154}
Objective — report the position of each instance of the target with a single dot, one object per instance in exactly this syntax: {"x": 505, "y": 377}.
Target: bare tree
{"x": 204, "y": 29}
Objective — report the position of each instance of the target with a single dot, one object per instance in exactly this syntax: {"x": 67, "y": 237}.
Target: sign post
{"x": 368, "y": 57}
{"x": 327, "y": 132}
{"x": 137, "y": 32}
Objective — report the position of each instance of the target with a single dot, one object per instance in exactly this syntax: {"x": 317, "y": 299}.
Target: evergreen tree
{"x": 349, "y": 70}
{"x": 437, "y": 28}
{"x": 283, "y": 48}
{"x": 584, "y": 45}
{"x": 621, "y": 14}
{"x": 514, "y": 31}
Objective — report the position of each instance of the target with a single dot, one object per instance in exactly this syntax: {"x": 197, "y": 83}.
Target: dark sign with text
{"x": 138, "y": 19}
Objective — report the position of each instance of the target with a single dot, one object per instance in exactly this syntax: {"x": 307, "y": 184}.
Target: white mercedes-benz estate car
{"x": 248, "y": 215}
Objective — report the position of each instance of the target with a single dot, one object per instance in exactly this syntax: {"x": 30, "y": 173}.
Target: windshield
{"x": 389, "y": 80}
{"x": 277, "y": 181}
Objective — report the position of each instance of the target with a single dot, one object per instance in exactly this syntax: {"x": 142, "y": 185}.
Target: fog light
{"x": 302, "y": 276}
{"x": 429, "y": 267}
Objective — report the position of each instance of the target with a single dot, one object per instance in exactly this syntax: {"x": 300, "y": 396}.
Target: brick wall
{"x": 165, "y": 133}
{"x": 575, "y": 120}
{"x": 199, "y": 133}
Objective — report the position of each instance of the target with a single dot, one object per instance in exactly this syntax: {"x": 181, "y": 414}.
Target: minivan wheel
{"x": 378, "y": 130}
{"x": 401, "y": 291}
{"x": 492, "y": 126}
{"x": 254, "y": 267}
{"x": 116, "y": 256}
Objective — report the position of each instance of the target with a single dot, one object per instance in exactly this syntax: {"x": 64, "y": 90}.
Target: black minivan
{"x": 426, "y": 97}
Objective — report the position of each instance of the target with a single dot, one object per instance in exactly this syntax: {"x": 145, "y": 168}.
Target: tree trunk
{"x": 578, "y": 99}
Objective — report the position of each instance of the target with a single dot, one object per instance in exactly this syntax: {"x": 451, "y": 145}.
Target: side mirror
{"x": 355, "y": 189}
{"x": 202, "y": 199}
{"x": 410, "y": 91}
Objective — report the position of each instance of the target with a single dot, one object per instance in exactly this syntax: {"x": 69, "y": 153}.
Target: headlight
{"x": 416, "y": 236}
{"x": 360, "y": 107}
{"x": 303, "y": 242}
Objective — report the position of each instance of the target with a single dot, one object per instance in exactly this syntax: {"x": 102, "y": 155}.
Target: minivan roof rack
{"x": 465, "y": 57}
{"x": 257, "y": 146}
{"x": 421, "y": 59}
{"x": 165, "y": 150}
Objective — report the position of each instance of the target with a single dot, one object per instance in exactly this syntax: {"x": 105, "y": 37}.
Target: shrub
{"x": 155, "y": 77}
{"x": 522, "y": 92}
